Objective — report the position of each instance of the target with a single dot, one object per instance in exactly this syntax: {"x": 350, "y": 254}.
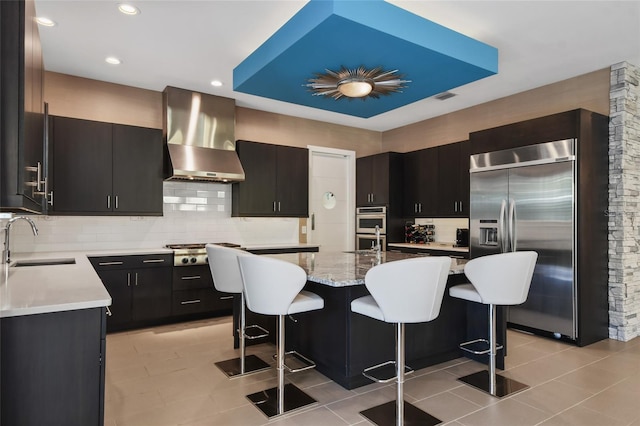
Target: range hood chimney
{"x": 199, "y": 134}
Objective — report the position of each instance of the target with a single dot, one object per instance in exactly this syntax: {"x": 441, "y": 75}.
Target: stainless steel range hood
{"x": 199, "y": 131}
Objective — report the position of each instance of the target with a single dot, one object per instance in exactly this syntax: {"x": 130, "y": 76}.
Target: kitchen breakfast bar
{"x": 343, "y": 343}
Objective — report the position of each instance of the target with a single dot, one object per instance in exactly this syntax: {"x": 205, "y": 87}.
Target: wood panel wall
{"x": 78, "y": 97}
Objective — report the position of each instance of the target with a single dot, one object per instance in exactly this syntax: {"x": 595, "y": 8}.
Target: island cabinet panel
{"x": 53, "y": 368}
{"x": 379, "y": 181}
{"x": 140, "y": 288}
{"x": 104, "y": 168}
{"x": 276, "y": 181}
{"x": 421, "y": 183}
{"x": 343, "y": 343}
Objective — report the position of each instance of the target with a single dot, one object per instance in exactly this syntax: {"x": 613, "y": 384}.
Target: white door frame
{"x": 351, "y": 190}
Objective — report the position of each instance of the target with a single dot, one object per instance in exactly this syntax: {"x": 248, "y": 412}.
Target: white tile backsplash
{"x": 193, "y": 212}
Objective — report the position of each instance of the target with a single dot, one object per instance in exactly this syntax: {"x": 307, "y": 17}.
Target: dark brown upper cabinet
{"x": 21, "y": 110}
{"x": 276, "y": 181}
{"x": 105, "y": 169}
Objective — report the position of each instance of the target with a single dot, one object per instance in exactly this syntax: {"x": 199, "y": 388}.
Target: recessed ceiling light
{"x": 113, "y": 60}
{"x": 45, "y": 21}
{"x": 128, "y": 9}
{"x": 216, "y": 83}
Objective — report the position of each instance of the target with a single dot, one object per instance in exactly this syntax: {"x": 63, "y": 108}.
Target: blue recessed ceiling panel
{"x": 330, "y": 34}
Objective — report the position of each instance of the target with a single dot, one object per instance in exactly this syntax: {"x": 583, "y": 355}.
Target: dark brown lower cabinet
{"x": 53, "y": 368}
{"x": 140, "y": 289}
{"x": 195, "y": 294}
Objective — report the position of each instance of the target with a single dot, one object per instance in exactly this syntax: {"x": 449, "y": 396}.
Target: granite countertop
{"x": 340, "y": 269}
{"x": 430, "y": 246}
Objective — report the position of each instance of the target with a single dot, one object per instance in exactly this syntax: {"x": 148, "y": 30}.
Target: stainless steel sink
{"x": 44, "y": 262}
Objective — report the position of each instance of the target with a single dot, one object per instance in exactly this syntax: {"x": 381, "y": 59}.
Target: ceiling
{"x": 188, "y": 44}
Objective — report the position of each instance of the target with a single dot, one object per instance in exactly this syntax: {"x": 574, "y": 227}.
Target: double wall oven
{"x": 367, "y": 218}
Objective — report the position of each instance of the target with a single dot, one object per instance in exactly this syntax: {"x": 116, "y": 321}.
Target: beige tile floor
{"x": 166, "y": 376}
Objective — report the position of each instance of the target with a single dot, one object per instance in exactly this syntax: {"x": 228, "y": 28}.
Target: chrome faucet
{"x": 6, "y": 255}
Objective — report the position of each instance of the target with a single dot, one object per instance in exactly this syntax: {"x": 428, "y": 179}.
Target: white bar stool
{"x": 274, "y": 287}
{"x": 225, "y": 271}
{"x": 499, "y": 279}
{"x": 404, "y": 291}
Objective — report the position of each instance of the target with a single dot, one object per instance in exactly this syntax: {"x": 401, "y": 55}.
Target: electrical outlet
{"x": 303, "y": 230}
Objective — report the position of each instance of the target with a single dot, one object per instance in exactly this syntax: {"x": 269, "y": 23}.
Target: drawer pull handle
{"x": 109, "y": 263}
{"x": 190, "y": 302}
{"x": 193, "y": 277}
{"x": 226, "y": 297}
{"x": 153, "y": 261}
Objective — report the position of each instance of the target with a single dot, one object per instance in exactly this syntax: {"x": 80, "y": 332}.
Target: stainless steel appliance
{"x": 369, "y": 221}
{"x": 369, "y": 241}
{"x": 524, "y": 199}
{"x": 367, "y": 218}
{"x": 192, "y": 254}
{"x": 199, "y": 132}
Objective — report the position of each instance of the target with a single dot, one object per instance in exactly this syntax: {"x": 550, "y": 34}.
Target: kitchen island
{"x": 343, "y": 344}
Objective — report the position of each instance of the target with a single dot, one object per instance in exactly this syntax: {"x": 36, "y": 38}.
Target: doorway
{"x": 331, "y": 198}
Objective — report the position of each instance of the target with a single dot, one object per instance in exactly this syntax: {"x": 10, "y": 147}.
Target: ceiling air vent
{"x": 444, "y": 95}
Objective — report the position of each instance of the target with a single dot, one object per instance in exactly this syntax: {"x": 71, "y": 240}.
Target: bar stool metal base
{"x": 385, "y": 414}
{"x": 504, "y": 385}
{"x": 267, "y": 400}
{"x": 252, "y": 364}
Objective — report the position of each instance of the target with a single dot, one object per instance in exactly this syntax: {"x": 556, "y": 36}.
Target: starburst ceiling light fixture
{"x": 356, "y": 83}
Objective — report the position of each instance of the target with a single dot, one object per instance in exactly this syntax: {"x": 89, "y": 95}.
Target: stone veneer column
{"x": 624, "y": 194}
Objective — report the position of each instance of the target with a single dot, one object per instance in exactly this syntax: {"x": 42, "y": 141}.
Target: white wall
{"x": 193, "y": 213}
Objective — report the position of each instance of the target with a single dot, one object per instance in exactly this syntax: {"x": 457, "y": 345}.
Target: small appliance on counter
{"x": 419, "y": 234}
{"x": 462, "y": 237}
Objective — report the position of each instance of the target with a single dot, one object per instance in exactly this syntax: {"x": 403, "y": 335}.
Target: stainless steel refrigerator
{"x": 524, "y": 199}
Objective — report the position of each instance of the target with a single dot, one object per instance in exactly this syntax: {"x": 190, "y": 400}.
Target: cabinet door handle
{"x": 190, "y": 302}
{"x": 455, "y": 206}
{"x": 116, "y": 201}
{"x": 313, "y": 221}
{"x": 136, "y": 279}
{"x": 128, "y": 279}
{"x": 109, "y": 263}
{"x": 153, "y": 261}
{"x": 278, "y": 205}
{"x": 50, "y": 201}
{"x": 226, "y": 297}
{"x": 192, "y": 277}
{"x": 419, "y": 207}
{"x": 460, "y": 206}
{"x": 108, "y": 201}
{"x": 415, "y": 207}
{"x": 274, "y": 206}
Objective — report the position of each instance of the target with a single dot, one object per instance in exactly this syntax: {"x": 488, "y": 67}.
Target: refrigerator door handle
{"x": 512, "y": 225}
{"x": 502, "y": 228}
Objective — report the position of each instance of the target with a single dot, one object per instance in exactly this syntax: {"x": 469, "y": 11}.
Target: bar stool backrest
{"x": 270, "y": 285}
{"x": 502, "y": 279}
{"x": 223, "y": 263}
{"x": 409, "y": 290}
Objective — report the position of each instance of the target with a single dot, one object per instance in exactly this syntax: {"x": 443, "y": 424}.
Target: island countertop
{"x": 342, "y": 269}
